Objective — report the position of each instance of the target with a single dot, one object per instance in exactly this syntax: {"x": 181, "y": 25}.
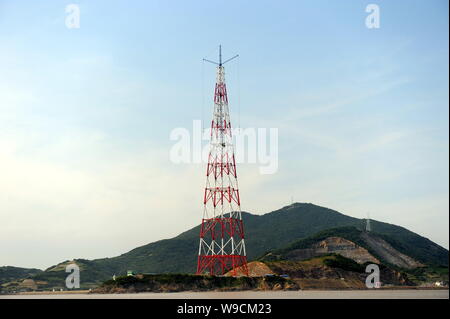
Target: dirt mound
{"x": 28, "y": 283}
{"x": 255, "y": 269}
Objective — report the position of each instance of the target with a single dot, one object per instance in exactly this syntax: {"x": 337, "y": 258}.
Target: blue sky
{"x": 85, "y": 116}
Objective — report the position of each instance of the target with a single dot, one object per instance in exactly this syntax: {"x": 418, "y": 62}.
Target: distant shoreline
{"x": 430, "y": 293}
{"x": 81, "y": 292}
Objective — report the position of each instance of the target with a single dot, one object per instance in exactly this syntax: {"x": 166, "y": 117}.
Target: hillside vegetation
{"x": 9, "y": 273}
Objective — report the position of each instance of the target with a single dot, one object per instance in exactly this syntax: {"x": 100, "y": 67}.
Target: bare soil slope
{"x": 389, "y": 253}
{"x": 336, "y": 245}
{"x": 333, "y": 272}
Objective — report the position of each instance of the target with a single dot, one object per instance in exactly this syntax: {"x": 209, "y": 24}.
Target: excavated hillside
{"x": 333, "y": 272}
{"x": 389, "y": 253}
{"x": 336, "y": 245}
{"x": 325, "y": 272}
{"x": 349, "y": 242}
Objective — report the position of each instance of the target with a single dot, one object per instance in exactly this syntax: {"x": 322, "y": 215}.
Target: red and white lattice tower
{"x": 222, "y": 243}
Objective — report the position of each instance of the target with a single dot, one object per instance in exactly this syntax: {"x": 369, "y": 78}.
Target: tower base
{"x": 221, "y": 264}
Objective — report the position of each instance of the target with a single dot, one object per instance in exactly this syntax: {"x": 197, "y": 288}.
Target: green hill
{"x": 263, "y": 233}
{"x": 10, "y": 273}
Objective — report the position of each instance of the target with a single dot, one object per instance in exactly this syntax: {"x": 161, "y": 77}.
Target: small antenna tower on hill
{"x": 368, "y": 228}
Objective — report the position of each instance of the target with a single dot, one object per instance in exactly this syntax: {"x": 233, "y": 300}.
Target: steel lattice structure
{"x": 222, "y": 240}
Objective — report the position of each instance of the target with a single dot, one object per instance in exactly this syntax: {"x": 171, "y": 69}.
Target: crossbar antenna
{"x": 220, "y": 63}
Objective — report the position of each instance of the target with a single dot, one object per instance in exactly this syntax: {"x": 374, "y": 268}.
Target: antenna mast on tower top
{"x": 220, "y": 58}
